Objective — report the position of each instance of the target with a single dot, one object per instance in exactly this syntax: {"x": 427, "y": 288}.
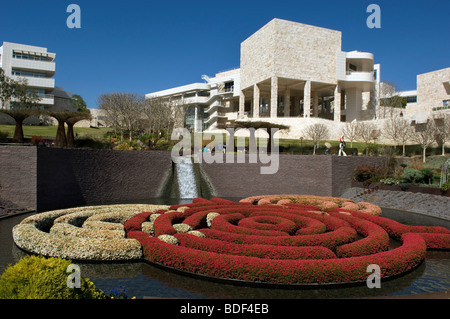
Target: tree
{"x": 6, "y": 88}
{"x": 442, "y": 133}
{"x": 398, "y": 130}
{"x": 350, "y": 131}
{"x": 123, "y": 111}
{"x": 366, "y": 132}
{"x": 390, "y": 100}
{"x": 425, "y": 135}
{"x": 316, "y": 132}
{"x": 79, "y": 103}
{"x": 23, "y": 102}
{"x": 405, "y": 133}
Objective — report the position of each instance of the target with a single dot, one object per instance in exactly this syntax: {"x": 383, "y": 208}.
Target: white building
{"x": 34, "y": 64}
{"x": 289, "y": 72}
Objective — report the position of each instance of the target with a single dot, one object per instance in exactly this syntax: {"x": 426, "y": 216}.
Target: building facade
{"x": 287, "y": 70}
{"x": 35, "y": 64}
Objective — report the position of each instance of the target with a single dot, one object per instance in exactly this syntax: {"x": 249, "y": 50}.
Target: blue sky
{"x": 146, "y": 46}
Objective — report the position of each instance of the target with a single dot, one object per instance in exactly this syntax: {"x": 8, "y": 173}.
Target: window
{"x": 229, "y": 86}
{"x": 411, "y": 99}
{"x": 27, "y": 73}
{"x": 29, "y": 57}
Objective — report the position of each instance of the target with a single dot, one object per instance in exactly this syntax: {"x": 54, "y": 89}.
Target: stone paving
{"x": 427, "y": 204}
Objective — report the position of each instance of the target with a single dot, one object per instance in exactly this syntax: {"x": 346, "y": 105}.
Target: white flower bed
{"x": 169, "y": 239}
{"x": 182, "y": 228}
{"x": 149, "y": 228}
{"x": 210, "y": 217}
{"x": 196, "y": 233}
{"x": 83, "y": 233}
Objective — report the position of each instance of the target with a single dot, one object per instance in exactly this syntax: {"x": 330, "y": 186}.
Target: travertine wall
{"x": 432, "y": 89}
{"x": 291, "y": 50}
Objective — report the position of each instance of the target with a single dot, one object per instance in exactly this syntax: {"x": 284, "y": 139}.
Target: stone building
{"x": 287, "y": 70}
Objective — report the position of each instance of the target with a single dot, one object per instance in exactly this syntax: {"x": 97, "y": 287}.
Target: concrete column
{"x": 196, "y": 118}
{"x": 296, "y": 105}
{"x": 315, "y": 104}
{"x": 307, "y": 99}
{"x": 353, "y": 104}
{"x": 274, "y": 97}
{"x": 337, "y": 103}
{"x": 256, "y": 101}
{"x": 287, "y": 102}
{"x": 241, "y": 105}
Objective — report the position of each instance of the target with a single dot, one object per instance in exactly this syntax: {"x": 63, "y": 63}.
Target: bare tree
{"x": 405, "y": 133}
{"x": 350, "y": 131}
{"x": 316, "y": 132}
{"x": 366, "y": 132}
{"x": 442, "y": 130}
{"x": 123, "y": 111}
{"x": 391, "y": 102}
{"x": 425, "y": 135}
{"x": 398, "y": 130}
{"x": 161, "y": 113}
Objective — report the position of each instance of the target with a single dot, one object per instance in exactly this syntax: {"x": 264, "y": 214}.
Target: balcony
{"x": 359, "y": 55}
{"x": 36, "y": 82}
{"x": 43, "y": 66}
{"x": 46, "y": 99}
{"x": 196, "y": 100}
{"x": 354, "y": 76}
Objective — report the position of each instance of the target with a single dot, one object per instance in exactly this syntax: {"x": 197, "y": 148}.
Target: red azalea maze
{"x": 287, "y": 243}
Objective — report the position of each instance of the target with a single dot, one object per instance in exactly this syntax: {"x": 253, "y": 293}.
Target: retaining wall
{"x": 297, "y": 174}
{"x": 50, "y": 178}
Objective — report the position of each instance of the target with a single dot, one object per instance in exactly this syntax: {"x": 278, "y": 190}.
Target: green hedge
{"x": 36, "y": 277}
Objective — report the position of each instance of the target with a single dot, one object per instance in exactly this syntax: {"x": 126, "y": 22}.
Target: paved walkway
{"x": 427, "y": 204}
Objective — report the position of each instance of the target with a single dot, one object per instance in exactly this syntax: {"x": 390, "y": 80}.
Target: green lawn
{"x": 50, "y": 131}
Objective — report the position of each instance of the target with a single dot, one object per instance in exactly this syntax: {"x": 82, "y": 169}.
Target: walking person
{"x": 342, "y": 146}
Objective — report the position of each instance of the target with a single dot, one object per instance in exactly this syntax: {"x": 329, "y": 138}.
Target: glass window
{"x": 411, "y": 99}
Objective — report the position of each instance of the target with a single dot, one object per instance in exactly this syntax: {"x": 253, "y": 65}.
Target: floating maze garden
{"x": 279, "y": 239}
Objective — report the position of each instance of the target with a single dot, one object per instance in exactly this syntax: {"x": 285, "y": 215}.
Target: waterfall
{"x": 187, "y": 184}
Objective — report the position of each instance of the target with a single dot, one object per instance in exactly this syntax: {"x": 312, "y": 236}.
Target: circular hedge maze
{"x": 283, "y": 239}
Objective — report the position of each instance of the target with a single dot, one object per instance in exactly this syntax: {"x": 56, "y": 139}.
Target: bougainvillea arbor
{"x": 278, "y": 239}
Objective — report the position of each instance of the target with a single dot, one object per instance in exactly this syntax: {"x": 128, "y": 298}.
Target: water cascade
{"x": 187, "y": 182}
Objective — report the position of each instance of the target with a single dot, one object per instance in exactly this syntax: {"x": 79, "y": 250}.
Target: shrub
{"x": 445, "y": 187}
{"x": 411, "y": 175}
{"x": 417, "y": 176}
{"x": 427, "y": 176}
{"x": 3, "y": 137}
{"x": 36, "y": 277}
{"x": 162, "y": 143}
{"x": 364, "y": 173}
{"x": 88, "y": 142}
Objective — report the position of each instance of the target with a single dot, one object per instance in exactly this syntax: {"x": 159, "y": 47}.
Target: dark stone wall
{"x": 74, "y": 177}
{"x": 50, "y": 178}
{"x": 18, "y": 175}
{"x": 297, "y": 174}
{"x": 343, "y": 169}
